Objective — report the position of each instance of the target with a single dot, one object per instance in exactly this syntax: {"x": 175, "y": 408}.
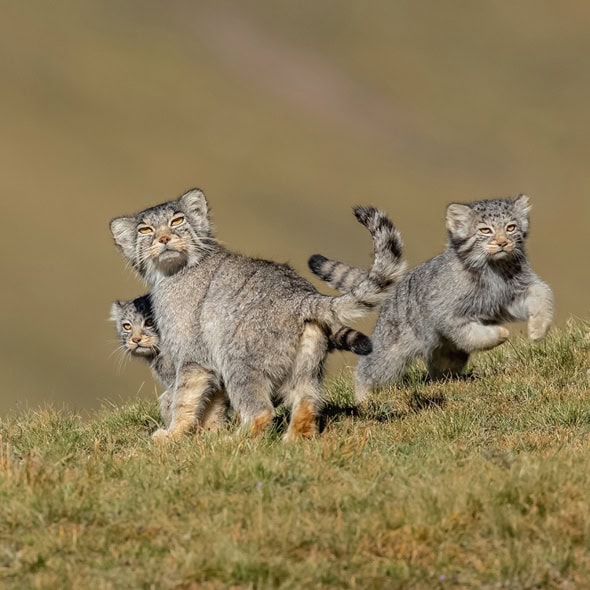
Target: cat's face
{"x": 489, "y": 231}
{"x": 135, "y": 327}
{"x": 162, "y": 240}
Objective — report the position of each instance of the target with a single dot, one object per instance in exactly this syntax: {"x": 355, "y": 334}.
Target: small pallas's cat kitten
{"x": 254, "y": 325}
{"x": 136, "y": 329}
{"x": 455, "y": 303}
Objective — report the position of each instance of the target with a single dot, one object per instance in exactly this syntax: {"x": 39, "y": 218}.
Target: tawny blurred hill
{"x": 286, "y": 114}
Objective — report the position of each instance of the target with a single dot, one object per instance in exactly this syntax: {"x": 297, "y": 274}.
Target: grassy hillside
{"x": 478, "y": 483}
{"x": 287, "y": 114}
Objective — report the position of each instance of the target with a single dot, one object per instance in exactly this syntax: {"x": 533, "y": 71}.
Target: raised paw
{"x": 538, "y": 327}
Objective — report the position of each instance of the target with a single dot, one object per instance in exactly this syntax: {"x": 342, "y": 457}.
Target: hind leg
{"x": 214, "y": 415}
{"x": 249, "y": 394}
{"x": 446, "y": 363}
{"x": 189, "y": 402}
{"x": 302, "y": 391}
{"x": 384, "y": 366}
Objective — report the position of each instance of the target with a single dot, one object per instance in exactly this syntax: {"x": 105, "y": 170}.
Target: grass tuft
{"x": 473, "y": 483}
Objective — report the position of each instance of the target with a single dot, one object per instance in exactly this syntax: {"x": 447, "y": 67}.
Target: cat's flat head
{"x": 135, "y": 326}
{"x": 490, "y": 230}
{"x": 162, "y": 240}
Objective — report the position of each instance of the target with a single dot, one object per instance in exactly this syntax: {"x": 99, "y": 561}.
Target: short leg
{"x": 539, "y": 303}
{"x": 446, "y": 363}
{"x": 214, "y": 414}
{"x": 165, "y": 402}
{"x": 383, "y": 366}
{"x": 536, "y": 308}
{"x": 473, "y": 336}
{"x": 191, "y": 396}
{"x": 302, "y": 391}
{"x": 250, "y": 395}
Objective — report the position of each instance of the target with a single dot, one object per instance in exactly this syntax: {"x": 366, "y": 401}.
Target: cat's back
{"x": 425, "y": 279}
{"x": 256, "y": 290}
{"x": 227, "y": 289}
{"x": 233, "y": 307}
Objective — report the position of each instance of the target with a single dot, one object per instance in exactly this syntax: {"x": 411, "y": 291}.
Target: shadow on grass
{"x": 413, "y": 380}
{"x": 379, "y": 411}
{"x": 420, "y": 402}
{"x": 334, "y": 412}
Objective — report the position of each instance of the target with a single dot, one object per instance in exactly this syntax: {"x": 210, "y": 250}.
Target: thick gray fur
{"x": 454, "y": 304}
{"x": 254, "y": 325}
{"x": 139, "y": 337}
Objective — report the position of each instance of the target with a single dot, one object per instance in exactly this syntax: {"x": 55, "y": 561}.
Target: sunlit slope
{"x": 287, "y": 115}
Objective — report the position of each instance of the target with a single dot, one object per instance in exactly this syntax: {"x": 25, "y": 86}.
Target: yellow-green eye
{"x": 511, "y": 227}
{"x": 149, "y": 323}
{"x": 177, "y": 221}
{"x": 145, "y": 229}
{"x": 485, "y": 230}
{"x": 127, "y": 326}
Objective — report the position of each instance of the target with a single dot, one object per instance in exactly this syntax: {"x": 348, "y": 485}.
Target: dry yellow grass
{"x": 478, "y": 483}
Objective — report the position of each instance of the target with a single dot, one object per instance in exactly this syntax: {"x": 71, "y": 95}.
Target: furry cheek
{"x": 155, "y": 249}
{"x": 130, "y": 344}
{"x": 178, "y": 243}
{"x": 149, "y": 341}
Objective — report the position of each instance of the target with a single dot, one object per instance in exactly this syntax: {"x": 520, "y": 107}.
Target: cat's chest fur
{"x": 491, "y": 292}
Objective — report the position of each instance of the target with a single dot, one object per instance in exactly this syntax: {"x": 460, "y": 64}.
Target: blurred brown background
{"x": 286, "y": 114}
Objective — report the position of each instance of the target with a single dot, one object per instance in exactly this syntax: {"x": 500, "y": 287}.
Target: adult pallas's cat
{"x": 139, "y": 337}
{"x": 254, "y": 325}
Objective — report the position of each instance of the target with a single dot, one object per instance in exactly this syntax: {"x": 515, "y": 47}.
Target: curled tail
{"x": 363, "y": 290}
{"x": 387, "y": 266}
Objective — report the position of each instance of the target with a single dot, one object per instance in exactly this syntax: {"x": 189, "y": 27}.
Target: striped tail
{"x": 387, "y": 266}
{"x": 350, "y": 339}
{"x": 363, "y": 290}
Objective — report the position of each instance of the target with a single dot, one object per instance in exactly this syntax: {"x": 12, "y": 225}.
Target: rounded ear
{"x": 194, "y": 203}
{"x": 522, "y": 205}
{"x": 521, "y": 210}
{"x": 124, "y": 230}
{"x": 458, "y": 218}
{"x": 116, "y": 308}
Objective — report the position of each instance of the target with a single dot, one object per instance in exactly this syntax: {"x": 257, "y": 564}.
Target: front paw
{"x": 538, "y": 327}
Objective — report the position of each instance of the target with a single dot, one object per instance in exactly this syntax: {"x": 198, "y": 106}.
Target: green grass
{"x": 477, "y": 483}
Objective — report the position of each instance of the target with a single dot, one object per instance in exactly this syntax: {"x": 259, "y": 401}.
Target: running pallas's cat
{"x": 455, "y": 303}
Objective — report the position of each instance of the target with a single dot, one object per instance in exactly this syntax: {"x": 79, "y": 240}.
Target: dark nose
{"x": 136, "y": 339}
{"x": 164, "y": 239}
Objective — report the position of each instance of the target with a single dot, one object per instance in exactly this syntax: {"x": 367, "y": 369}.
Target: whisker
{"x": 118, "y": 349}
